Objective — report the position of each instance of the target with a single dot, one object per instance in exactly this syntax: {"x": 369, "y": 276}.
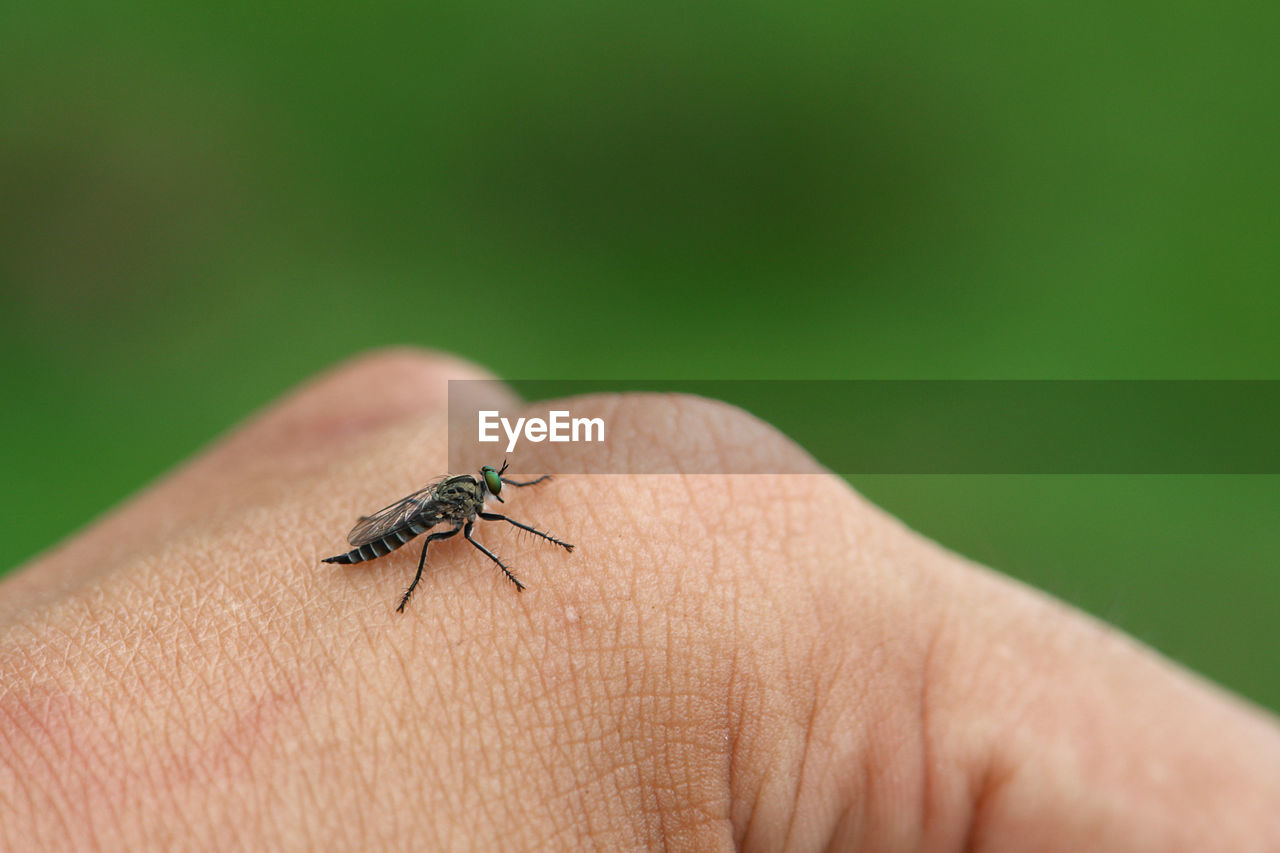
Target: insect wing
{"x": 395, "y": 516}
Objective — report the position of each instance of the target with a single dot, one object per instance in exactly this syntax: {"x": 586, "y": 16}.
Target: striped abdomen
{"x": 379, "y": 547}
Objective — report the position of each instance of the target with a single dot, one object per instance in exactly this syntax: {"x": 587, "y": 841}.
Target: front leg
{"x": 541, "y": 479}
{"x": 466, "y": 531}
{"x": 493, "y": 516}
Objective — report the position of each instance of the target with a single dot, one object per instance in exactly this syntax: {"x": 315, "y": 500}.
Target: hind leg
{"x": 444, "y": 534}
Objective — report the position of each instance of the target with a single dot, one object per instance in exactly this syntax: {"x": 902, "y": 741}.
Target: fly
{"x": 454, "y": 501}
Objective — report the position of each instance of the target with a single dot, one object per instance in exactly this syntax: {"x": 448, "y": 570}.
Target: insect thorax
{"x": 463, "y": 489}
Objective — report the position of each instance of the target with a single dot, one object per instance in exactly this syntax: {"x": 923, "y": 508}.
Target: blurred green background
{"x": 202, "y": 204}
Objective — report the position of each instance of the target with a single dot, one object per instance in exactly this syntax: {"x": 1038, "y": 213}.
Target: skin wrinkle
{"x": 880, "y": 691}
{"x": 368, "y": 773}
{"x": 34, "y": 728}
{"x": 733, "y": 721}
{"x": 851, "y": 824}
{"x": 486, "y": 795}
{"x": 743, "y": 740}
{"x": 928, "y": 774}
{"x": 9, "y": 778}
{"x": 671, "y": 796}
{"x": 408, "y": 686}
{"x": 569, "y": 786}
{"x": 779, "y": 645}
{"x": 677, "y": 592}
{"x": 574, "y": 720}
{"x": 515, "y": 707}
{"x": 93, "y": 789}
{"x": 661, "y": 741}
{"x": 552, "y": 757}
{"x": 625, "y": 765}
{"x": 146, "y": 670}
{"x": 290, "y": 694}
{"x": 404, "y": 692}
{"x": 503, "y": 702}
{"x": 804, "y": 771}
{"x": 665, "y": 741}
{"x": 986, "y": 789}
{"x": 74, "y": 751}
{"x": 826, "y": 677}
{"x": 1009, "y": 712}
{"x": 632, "y": 687}
{"x": 763, "y": 725}
{"x": 650, "y": 802}
{"x": 45, "y": 718}
{"x": 232, "y": 668}
{"x": 219, "y": 643}
{"x": 825, "y": 682}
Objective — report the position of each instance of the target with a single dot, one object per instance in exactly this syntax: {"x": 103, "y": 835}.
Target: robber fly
{"x": 454, "y": 501}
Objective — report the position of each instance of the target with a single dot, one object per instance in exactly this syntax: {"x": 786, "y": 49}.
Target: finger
{"x": 268, "y": 453}
{"x": 1077, "y": 737}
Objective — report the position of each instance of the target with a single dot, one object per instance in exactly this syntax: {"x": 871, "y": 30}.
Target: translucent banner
{"x": 869, "y": 426}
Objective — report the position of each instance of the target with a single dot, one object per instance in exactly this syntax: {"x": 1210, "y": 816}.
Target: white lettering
{"x": 512, "y": 434}
{"x": 587, "y": 424}
{"x": 486, "y": 424}
{"x": 560, "y": 427}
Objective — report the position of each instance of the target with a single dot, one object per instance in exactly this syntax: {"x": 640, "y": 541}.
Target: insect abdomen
{"x": 378, "y": 547}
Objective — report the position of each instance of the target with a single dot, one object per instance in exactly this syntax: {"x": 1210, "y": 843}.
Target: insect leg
{"x": 443, "y": 534}
{"x": 494, "y": 516}
{"x": 466, "y": 531}
{"x": 541, "y": 479}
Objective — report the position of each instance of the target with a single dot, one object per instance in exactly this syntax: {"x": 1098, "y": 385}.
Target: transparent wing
{"x": 395, "y": 516}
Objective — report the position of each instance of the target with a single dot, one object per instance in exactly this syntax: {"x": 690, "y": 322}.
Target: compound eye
{"x": 492, "y": 481}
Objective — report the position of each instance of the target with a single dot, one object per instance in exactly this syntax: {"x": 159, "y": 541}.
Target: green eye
{"x": 491, "y": 480}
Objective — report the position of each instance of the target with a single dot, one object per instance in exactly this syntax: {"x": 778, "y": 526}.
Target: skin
{"x": 762, "y": 661}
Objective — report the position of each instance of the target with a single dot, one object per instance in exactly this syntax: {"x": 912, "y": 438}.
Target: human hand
{"x": 766, "y": 662}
